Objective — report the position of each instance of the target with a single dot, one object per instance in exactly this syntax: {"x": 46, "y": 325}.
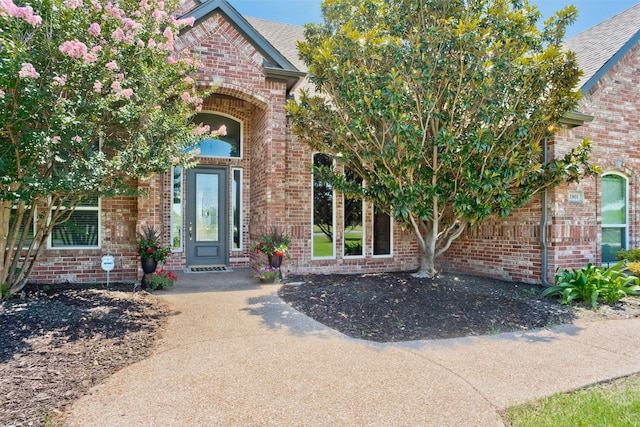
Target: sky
{"x": 300, "y": 12}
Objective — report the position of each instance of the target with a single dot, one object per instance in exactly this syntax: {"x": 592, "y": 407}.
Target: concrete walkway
{"x": 234, "y": 355}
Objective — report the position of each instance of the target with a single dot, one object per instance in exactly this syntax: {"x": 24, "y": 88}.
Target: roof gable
{"x": 276, "y": 65}
{"x": 600, "y": 47}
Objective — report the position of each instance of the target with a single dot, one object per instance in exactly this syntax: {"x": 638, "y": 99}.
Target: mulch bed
{"x": 56, "y": 344}
{"x": 387, "y": 307}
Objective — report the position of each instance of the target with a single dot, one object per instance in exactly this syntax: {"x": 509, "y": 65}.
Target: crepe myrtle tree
{"x": 440, "y": 107}
{"x": 92, "y": 96}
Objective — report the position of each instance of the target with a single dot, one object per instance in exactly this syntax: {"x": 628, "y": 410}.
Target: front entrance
{"x": 207, "y": 217}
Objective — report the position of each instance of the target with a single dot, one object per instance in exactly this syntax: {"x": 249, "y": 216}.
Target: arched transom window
{"x": 229, "y": 145}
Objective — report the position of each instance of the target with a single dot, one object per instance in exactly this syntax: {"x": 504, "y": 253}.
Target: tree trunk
{"x": 427, "y": 259}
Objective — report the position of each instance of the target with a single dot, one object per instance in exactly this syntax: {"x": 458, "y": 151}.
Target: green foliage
{"x": 160, "y": 280}
{"x": 592, "y": 284}
{"x": 631, "y": 255}
{"x": 92, "y": 96}
{"x": 607, "y": 404}
{"x": 440, "y": 107}
{"x": 149, "y": 245}
{"x": 273, "y": 243}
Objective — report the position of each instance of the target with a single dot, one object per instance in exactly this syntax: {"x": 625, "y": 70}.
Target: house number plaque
{"x": 576, "y": 196}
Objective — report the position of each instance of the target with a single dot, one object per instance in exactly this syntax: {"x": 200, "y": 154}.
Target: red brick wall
{"x": 510, "y": 248}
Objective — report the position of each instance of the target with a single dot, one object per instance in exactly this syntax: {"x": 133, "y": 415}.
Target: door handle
{"x": 190, "y": 231}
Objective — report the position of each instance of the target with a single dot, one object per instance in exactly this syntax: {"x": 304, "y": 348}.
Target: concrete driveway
{"x": 234, "y": 354}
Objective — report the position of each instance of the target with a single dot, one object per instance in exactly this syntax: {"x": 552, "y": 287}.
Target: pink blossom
{"x": 201, "y": 130}
{"x": 198, "y": 104}
{"x": 158, "y": 15}
{"x": 144, "y": 5}
{"x": 171, "y": 60}
{"x": 222, "y": 130}
{"x": 2, "y": 94}
{"x": 186, "y": 97}
{"x": 151, "y": 43}
{"x": 72, "y": 4}
{"x": 118, "y": 76}
{"x": 28, "y": 70}
{"x": 96, "y": 48}
{"x": 55, "y": 139}
{"x": 59, "y": 81}
{"x": 140, "y": 43}
{"x": 97, "y": 6}
{"x": 90, "y": 58}
{"x": 185, "y": 22}
{"x": 118, "y": 34}
{"x": 97, "y": 86}
{"x": 77, "y": 139}
{"x": 73, "y": 48}
{"x": 175, "y": 160}
{"x": 116, "y": 86}
{"x": 8, "y": 8}
{"x": 94, "y": 29}
{"x": 112, "y": 65}
{"x": 188, "y": 80}
{"x": 127, "y": 93}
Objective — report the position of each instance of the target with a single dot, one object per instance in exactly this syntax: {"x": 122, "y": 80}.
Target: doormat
{"x": 207, "y": 268}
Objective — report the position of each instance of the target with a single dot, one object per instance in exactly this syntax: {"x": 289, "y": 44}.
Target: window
{"x": 353, "y": 222}
{"x": 237, "y": 208}
{"x": 176, "y": 210}
{"x": 381, "y": 233}
{"x": 614, "y": 216}
{"x": 228, "y": 145}
{"x": 23, "y": 223}
{"x": 81, "y": 230}
{"x": 323, "y": 211}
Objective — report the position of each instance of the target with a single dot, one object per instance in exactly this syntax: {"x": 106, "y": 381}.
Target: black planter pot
{"x": 275, "y": 261}
{"x": 149, "y": 266}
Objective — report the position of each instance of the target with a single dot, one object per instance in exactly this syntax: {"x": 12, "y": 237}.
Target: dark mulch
{"x": 388, "y": 307}
{"x": 56, "y": 344}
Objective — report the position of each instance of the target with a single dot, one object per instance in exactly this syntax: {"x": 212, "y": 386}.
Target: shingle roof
{"x": 284, "y": 37}
{"x": 601, "y": 46}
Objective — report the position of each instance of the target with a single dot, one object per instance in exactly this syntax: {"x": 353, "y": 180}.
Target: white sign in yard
{"x": 107, "y": 263}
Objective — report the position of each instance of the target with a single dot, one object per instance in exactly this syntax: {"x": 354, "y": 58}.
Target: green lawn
{"x": 616, "y": 403}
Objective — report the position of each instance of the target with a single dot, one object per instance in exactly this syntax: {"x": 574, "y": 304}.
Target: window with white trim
{"x": 226, "y": 146}
{"x": 236, "y": 196}
{"x": 353, "y": 223}
{"x": 81, "y": 230}
{"x": 23, "y": 223}
{"x": 323, "y": 234}
{"x": 382, "y": 233}
{"x": 614, "y": 216}
{"x": 176, "y": 209}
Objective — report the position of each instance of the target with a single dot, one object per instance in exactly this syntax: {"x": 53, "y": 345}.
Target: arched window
{"x": 614, "y": 216}
{"x": 229, "y": 145}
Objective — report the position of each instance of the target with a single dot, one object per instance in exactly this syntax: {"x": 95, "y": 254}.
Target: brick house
{"x": 571, "y": 226}
{"x": 258, "y": 177}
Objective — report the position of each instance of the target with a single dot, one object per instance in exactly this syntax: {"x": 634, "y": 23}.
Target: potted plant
{"x": 268, "y": 274}
{"x": 275, "y": 244}
{"x": 160, "y": 279}
{"x": 150, "y": 251}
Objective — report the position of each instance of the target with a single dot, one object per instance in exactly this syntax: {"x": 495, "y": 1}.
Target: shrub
{"x": 631, "y": 255}
{"x": 592, "y": 284}
{"x": 634, "y": 267}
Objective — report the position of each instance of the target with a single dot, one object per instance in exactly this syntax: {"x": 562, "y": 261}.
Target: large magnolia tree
{"x": 92, "y": 95}
{"x": 440, "y": 107}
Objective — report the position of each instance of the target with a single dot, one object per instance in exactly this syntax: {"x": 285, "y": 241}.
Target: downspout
{"x": 543, "y": 226}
